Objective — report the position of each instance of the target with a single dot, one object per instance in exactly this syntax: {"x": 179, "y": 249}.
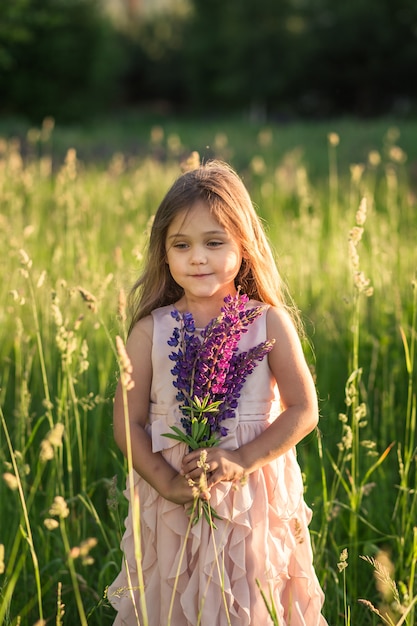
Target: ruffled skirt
{"x": 198, "y": 576}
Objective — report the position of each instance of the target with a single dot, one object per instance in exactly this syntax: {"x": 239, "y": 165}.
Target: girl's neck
{"x": 202, "y": 310}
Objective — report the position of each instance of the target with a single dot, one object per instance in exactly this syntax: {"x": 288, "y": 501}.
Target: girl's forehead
{"x": 198, "y": 215}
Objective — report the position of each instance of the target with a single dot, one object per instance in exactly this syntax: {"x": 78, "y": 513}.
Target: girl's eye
{"x": 180, "y": 245}
{"x": 214, "y": 244}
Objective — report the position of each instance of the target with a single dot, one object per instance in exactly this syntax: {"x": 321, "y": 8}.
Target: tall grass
{"x": 72, "y": 237}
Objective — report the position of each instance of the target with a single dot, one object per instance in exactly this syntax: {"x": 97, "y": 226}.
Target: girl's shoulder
{"x": 146, "y": 324}
{"x": 280, "y": 322}
{"x": 270, "y": 311}
{"x": 142, "y": 329}
{"x": 163, "y": 310}
{"x": 162, "y": 314}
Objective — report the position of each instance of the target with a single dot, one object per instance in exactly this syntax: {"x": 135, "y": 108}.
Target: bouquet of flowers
{"x": 209, "y": 372}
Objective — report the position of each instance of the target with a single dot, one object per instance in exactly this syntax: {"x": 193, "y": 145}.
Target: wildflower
{"x": 210, "y": 373}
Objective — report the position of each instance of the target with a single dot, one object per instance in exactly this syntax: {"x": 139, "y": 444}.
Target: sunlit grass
{"x": 73, "y": 236}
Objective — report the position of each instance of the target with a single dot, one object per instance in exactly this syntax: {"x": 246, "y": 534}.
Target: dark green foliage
{"x": 242, "y": 56}
{"x": 307, "y": 57}
{"x": 358, "y": 56}
{"x": 57, "y": 57}
{"x": 155, "y": 68}
{"x": 275, "y": 59}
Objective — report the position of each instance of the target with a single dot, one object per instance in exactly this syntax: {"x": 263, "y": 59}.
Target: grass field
{"x": 75, "y": 205}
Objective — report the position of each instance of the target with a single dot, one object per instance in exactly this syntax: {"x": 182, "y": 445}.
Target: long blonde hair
{"x": 219, "y": 186}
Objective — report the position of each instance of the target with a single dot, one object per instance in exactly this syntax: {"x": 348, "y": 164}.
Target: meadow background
{"x": 101, "y": 103}
{"x": 73, "y": 233}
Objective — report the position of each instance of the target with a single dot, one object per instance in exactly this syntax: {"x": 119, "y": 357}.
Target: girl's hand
{"x": 178, "y": 490}
{"x": 220, "y": 465}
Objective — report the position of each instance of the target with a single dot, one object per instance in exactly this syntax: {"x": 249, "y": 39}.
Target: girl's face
{"x": 203, "y": 258}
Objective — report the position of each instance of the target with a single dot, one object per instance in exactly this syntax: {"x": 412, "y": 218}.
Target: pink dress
{"x": 262, "y": 536}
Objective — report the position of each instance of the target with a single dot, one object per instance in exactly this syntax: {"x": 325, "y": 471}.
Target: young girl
{"x": 206, "y": 242}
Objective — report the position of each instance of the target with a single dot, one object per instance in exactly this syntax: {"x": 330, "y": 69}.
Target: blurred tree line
{"x": 72, "y": 59}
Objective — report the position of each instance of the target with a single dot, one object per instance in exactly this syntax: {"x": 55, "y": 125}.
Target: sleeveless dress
{"x": 262, "y": 538}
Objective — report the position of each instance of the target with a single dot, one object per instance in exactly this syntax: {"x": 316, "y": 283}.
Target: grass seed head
{"x": 50, "y": 523}
{"x": 333, "y": 139}
{"x": 125, "y": 365}
{"x": 11, "y": 481}
{"x": 59, "y": 508}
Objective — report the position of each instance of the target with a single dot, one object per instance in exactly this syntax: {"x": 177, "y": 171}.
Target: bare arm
{"x": 150, "y": 465}
{"x": 298, "y": 418}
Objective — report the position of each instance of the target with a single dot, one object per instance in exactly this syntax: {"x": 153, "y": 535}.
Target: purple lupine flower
{"x": 209, "y": 372}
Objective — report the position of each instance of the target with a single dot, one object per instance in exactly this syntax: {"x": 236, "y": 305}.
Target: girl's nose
{"x": 198, "y": 256}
